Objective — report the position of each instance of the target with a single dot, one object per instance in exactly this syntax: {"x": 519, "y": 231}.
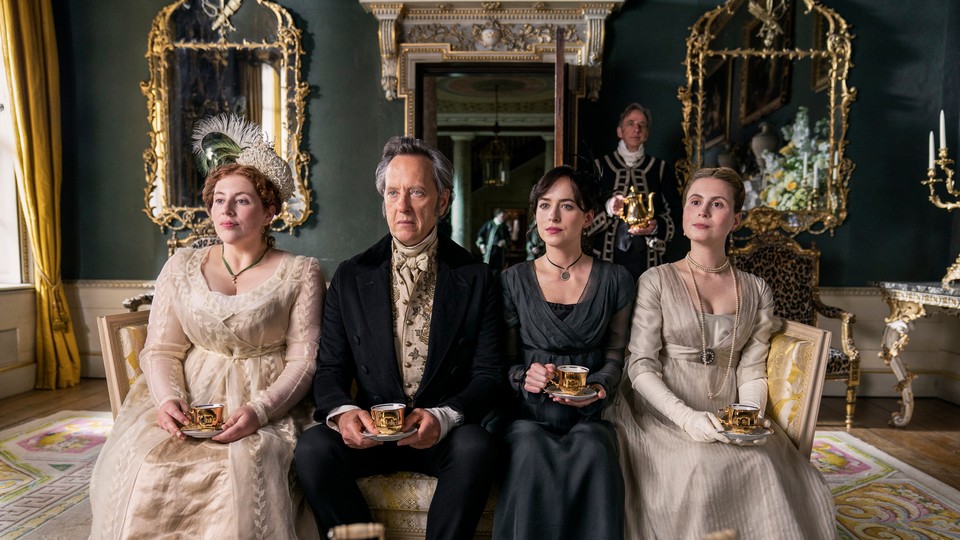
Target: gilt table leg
{"x": 895, "y": 339}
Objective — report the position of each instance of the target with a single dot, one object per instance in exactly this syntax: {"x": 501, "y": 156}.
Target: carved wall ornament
{"x": 421, "y": 31}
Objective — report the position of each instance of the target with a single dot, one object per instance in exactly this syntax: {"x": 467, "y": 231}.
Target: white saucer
{"x": 585, "y": 394}
{"x": 384, "y": 438}
{"x": 201, "y": 433}
{"x": 758, "y": 433}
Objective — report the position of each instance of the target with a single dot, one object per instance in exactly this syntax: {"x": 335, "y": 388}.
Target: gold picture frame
{"x": 717, "y": 87}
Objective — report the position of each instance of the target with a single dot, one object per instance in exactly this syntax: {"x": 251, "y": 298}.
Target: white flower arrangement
{"x": 792, "y": 175}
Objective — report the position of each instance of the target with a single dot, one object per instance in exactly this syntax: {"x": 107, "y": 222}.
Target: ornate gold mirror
{"x": 217, "y": 56}
{"x": 767, "y": 94}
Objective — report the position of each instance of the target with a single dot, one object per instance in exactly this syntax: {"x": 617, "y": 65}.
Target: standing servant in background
{"x": 701, "y": 330}
{"x": 636, "y": 248}
{"x": 492, "y": 239}
{"x": 238, "y": 324}
{"x": 563, "y": 308}
{"x": 414, "y": 320}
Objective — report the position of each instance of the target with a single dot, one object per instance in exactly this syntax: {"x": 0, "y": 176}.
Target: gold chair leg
{"x": 851, "y": 405}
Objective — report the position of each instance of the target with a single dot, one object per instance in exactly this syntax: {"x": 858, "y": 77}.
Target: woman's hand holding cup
{"x": 538, "y": 376}
{"x": 170, "y": 416}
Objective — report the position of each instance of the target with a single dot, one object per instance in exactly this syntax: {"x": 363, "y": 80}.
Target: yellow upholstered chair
{"x": 357, "y": 531}
{"x": 121, "y": 339}
{"x": 793, "y": 274}
{"x": 401, "y": 501}
{"x": 795, "y": 367}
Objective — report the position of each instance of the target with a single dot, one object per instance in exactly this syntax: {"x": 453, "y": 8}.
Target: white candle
{"x": 836, "y": 165}
{"x": 943, "y": 131}
{"x": 804, "y": 167}
{"x": 930, "y": 164}
{"x": 815, "y": 183}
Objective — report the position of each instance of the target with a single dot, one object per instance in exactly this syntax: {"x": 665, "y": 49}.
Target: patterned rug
{"x": 879, "y": 496}
{"x": 45, "y": 468}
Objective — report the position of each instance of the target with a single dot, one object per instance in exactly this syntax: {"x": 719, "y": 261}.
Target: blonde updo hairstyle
{"x": 724, "y": 174}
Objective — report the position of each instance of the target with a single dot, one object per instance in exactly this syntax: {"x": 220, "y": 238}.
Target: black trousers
{"x": 463, "y": 463}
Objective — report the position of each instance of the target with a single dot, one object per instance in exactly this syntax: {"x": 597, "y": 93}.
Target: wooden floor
{"x": 931, "y": 442}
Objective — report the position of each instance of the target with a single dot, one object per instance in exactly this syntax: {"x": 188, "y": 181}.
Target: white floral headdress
{"x": 227, "y": 138}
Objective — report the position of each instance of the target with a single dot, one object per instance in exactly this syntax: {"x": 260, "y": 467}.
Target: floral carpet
{"x": 45, "y": 468}
{"x": 878, "y": 496}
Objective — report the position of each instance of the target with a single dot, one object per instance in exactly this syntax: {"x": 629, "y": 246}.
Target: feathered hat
{"x": 227, "y": 138}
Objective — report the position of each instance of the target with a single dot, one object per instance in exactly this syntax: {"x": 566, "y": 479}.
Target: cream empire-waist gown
{"x": 677, "y": 488}
{"x": 256, "y": 348}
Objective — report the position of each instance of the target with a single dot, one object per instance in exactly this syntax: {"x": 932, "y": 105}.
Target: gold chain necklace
{"x": 230, "y": 270}
{"x": 707, "y": 356}
{"x": 564, "y": 272}
{"x": 707, "y": 269}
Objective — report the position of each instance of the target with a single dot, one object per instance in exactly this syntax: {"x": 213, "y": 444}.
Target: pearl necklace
{"x": 564, "y": 272}
{"x": 707, "y": 356}
{"x": 707, "y": 269}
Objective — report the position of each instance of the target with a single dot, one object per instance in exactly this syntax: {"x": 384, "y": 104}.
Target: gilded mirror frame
{"x": 830, "y": 210}
{"x": 163, "y": 45}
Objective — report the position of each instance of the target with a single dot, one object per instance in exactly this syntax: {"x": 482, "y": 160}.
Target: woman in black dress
{"x": 565, "y": 307}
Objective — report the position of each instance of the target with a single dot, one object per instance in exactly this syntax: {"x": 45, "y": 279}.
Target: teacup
{"x": 208, "y": 416}
{"x": 741, "y": 418}
{"x": 570, "y": 379}
{"x": 388, "y": 417}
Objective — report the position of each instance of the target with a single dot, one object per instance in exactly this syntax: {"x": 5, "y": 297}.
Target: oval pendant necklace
{"x": 564, "y": 272}
{"x": 230, "y": 270}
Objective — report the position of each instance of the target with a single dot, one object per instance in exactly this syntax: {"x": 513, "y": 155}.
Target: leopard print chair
{"x": 793, "y": 275}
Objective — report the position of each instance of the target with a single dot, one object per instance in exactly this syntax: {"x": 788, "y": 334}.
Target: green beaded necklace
{"x": 230, "y": 270}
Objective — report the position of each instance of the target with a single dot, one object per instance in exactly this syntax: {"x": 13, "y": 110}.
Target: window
{"x": 12, "y": 234}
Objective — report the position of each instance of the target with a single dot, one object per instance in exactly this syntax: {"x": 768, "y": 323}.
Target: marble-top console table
{"x": 908, "y": 302}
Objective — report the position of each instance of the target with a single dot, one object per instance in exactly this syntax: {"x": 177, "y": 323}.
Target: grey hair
{"x": 635, "y": 107}
{"x": 409, "y": 146}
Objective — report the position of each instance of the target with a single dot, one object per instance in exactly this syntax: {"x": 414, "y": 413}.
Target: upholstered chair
{"x": 399, "y": 501}
{"x": 795, "y": 372}
{"x": 793, "y": 274}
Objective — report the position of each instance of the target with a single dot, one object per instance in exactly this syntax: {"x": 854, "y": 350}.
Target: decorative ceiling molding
{"x": 469, "y": 31}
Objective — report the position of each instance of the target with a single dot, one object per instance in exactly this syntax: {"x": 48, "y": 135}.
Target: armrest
{"x": 847, "y": 320}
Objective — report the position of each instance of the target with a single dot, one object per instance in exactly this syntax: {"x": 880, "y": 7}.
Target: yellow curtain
{"x": 30, "y": 57}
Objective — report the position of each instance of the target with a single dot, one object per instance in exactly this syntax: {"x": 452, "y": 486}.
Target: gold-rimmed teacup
{"x": 740, "y": 418}
{"x": 206, "y": 417}
{"x": 570, "y": 379}
{"x": 388, "y": 417}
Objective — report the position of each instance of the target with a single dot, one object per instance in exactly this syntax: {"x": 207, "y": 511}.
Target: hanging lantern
{"x": 495, "y": 158}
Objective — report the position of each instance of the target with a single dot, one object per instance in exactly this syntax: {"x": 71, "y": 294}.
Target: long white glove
{"x": 699, "y": 425}
{"x": 754, "y": 393}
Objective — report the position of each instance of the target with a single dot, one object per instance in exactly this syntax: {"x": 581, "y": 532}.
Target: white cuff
{"x": 339, "y": 410}
{"x": 448, "y": 417}
{"x": 609, "y": 206}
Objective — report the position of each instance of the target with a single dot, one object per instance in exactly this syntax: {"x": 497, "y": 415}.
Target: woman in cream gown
{"x": 250, "y": 344}
{"x": 684, "y": 478}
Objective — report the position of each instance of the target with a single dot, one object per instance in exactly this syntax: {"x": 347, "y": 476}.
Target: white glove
{"x": 699, "y": 425}
{"x": 754, "y": 393}
{"x": 704, "y": 427}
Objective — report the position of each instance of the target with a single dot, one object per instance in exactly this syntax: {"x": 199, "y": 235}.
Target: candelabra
{"x": 944, "y": 164}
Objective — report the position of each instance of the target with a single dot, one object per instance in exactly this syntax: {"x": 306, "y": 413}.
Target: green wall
{"x": 905, "y": 67}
